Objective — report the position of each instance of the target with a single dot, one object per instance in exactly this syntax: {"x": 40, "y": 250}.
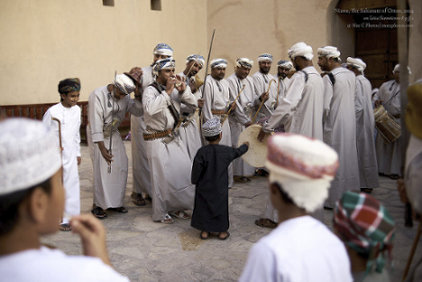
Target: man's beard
{"x": 264, "y": 71}
{"x": 283, "y": 75}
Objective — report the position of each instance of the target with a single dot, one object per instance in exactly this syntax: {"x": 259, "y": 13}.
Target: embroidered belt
{"x": 218, "y": 112}
{"x": 156, "y": 135}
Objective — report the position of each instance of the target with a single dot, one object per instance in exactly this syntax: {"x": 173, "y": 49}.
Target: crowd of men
{"x": 327, "y": 157}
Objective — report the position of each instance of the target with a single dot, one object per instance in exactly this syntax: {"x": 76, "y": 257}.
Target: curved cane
{"x": 231, "y": 108}
{"x": 262, "y": 102}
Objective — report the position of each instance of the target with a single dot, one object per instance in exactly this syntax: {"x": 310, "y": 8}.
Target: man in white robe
{"x": 339, "y": 121}
{"x": 301, "y": 248}
{"x": 265, "y": 88}
{"x": 172, "y": 190}
{"x": 300, "y": 111}
{"x": 365, "y": 125}
{"x": 241, "y": 89}
{"x": 217, "y": 103}
{"x": 283, "y": 69}
{"x": 66, "y": 123}
{"x": 389, "y": 155}
{"x": 31, "y": 205}
{"x": 189, "y": 131}
{"x": 107, "y": 107}
{"x": 141, "y": 169}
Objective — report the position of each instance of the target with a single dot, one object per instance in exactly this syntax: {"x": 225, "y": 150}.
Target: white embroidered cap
{"x": 357, "y": 63}
{"x": 244, "y": 62}
{"x": 218, "y": 63}
{"x": 265, "y": 57}
{"x": 29, "y": 154}
{"x": 301, "y": 49}
{"x": 303, "y": 167}
{"x": 211, "y": 127}
{"x": 124, "y": 83}
{"x": 329, "y": 52}
{"x": 163, "y": 49}
{"x": 285, "y": 64}
{"x": 397, "y": 69}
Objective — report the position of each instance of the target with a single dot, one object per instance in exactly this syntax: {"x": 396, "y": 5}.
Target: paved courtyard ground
{"x": 148, "y": 251}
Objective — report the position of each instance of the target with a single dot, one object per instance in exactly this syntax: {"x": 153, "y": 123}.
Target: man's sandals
{"x": 179, "y": 214}
{"x": 265, "y": 222}
{"x": 137, "y": 199}
{"x": 98, "y": 212}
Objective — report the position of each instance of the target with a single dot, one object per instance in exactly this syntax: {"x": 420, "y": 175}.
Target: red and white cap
{"x": 303, "y": 167}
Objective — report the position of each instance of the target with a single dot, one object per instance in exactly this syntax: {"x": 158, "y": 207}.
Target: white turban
{"x": 124, "y": 83}
{"x": 211, "y": 127}
{"x": 397, "y": 69}
{"x": 300, "y": 49}
{"x": 303, "y": 167}
{"x": 357, "y": 63}
{"x": 197, "y": 58}
{"x": 218, "y": 63}
{"x": 29, "y": 154}
{"x": 163, "y": 49}
{"x": 244, "y": 62}
{"x": 285, "y": 64}
{"x": 329, "y": 52}
{"x": 265, "y": 57}
{"x": 167, "y": 63}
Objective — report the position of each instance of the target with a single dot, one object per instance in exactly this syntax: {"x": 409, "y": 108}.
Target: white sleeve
{"x": 260, "y": 266}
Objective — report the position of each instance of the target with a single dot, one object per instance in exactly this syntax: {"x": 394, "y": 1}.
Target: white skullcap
{"x": 301, "y": 49}
{"x": 397, "y": 69}
{"x": 124, "y": 83}
{"x": 197, "y": 58}
{"x": 285, "y": 64}
{"x": 163, "y": 49}
{"x": 303, "y": 167}
{"x": 211, "y": 127}
{"x": 244, "y": 62}
{"x": 357, "y": 63}
{"x": 218, "y": 63}
{"x": 29, "y": 154}
{"x": 329, "y": 52}
{"x": 167, "y": 63}
{"x": 265, "y": 57}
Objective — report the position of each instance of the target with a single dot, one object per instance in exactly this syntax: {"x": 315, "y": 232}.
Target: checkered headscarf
{"x": 365, "y": 226}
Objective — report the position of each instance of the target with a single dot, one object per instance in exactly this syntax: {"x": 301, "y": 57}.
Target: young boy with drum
{"x": 210, "y": 175}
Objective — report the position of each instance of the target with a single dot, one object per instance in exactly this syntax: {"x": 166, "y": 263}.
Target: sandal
{"x": 180, "y": 215}
{"x": 98, "y": 212}
{"x": 204, "y": 235}
{"x": 167, "y": 219}
{"x": 119, "y": 209}
{"x": 65, "y": 227}
{"x": 138, "y": 200}
{"x": 241, "y": 179}
{"x": 265, "y": 222}
{"x": 223, "y": 235}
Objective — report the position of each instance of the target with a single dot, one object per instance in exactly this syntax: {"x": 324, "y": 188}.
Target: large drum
{"x": 257, "y": 153}
{"x": 389, "y": 129}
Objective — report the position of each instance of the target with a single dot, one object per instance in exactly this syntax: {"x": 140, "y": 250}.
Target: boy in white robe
{"x": 340, "y": 121}
{"x": 65, "y": 119}
{"x": 31, "y": 205}
{"x": 301, "y": 248}
{"x": 107, "y": 107}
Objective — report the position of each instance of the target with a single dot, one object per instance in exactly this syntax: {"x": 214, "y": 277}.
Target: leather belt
{"x": 156, "y": 135}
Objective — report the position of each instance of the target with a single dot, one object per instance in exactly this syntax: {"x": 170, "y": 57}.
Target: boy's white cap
{"x": 304, "y": 168}
{"x": 29, "y": 154}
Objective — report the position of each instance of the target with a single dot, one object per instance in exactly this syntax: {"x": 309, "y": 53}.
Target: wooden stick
{"x": 235, "y": 100}
{"x": 60, "y": 141}
{"x": 263, "y": 101}
{"x": 412, "y": 251}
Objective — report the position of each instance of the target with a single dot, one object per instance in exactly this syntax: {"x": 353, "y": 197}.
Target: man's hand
{"x": 249, "y": 123}
{"x": 200, "y": 103}
{"x": 180, "y": 84}
{"x": 262, "y": 135}
{"x": 232, "y": 106}
{"x": 79, "y": 160}
{"x": 93, "y": 236}
{"x": 377, "y": 103}
{"x": 264, "y": 96}
{"x": 104, "y": 152}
